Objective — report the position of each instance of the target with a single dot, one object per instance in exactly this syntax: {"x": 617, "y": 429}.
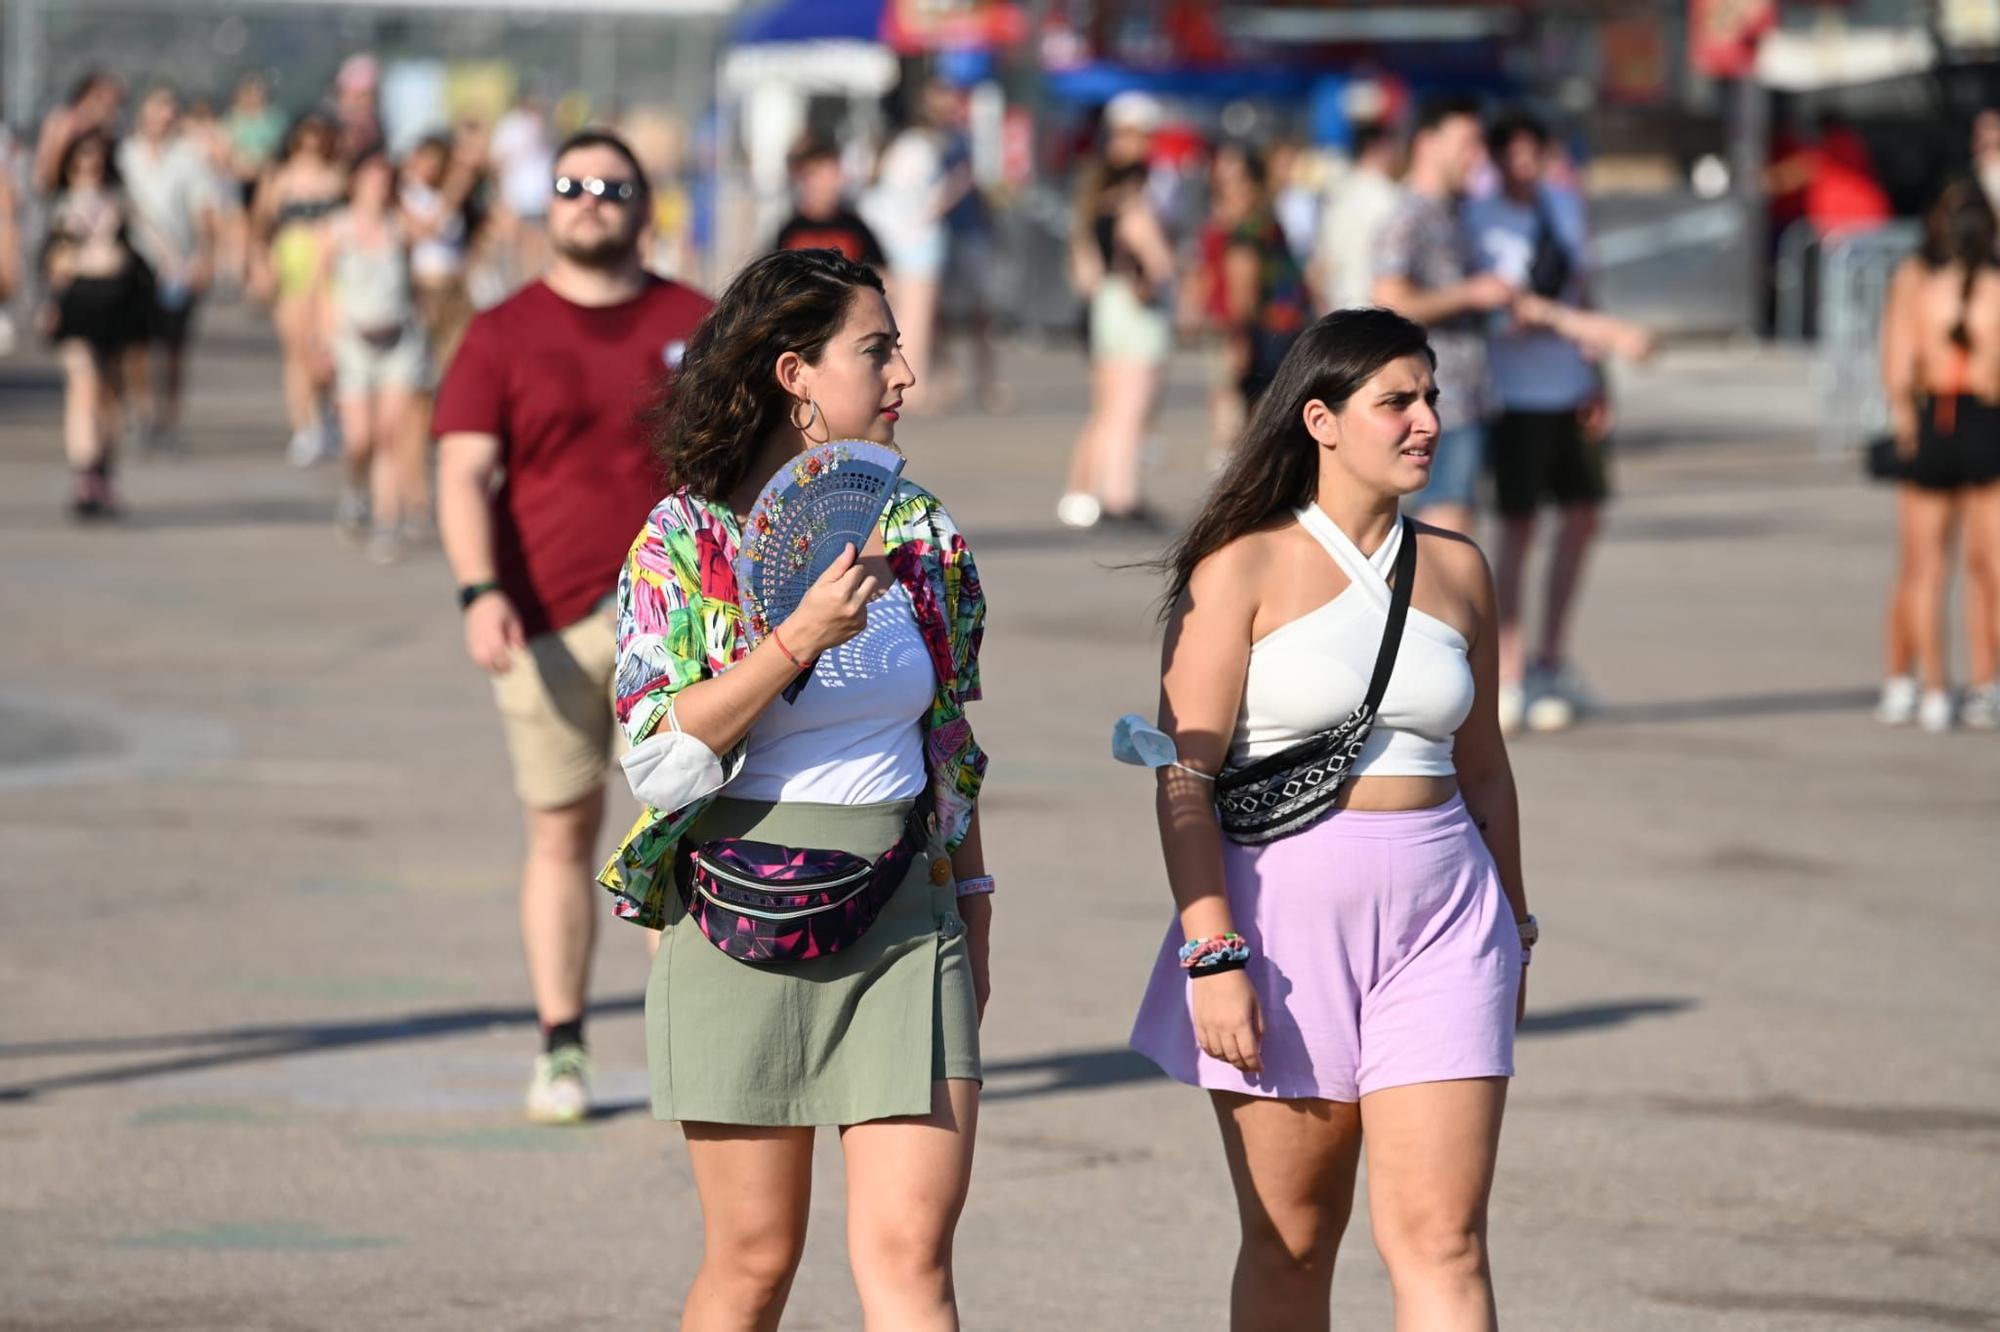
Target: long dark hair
{"x": 102, "y": 141}
{"x": 727, "y": 398}
{"x": 1960, "y": 229}
{"x": 1275, "y": 468}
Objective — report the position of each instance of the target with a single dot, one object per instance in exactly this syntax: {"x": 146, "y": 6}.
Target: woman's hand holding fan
{"x": 834, "y": 609}
{"x": 802, "y": 540}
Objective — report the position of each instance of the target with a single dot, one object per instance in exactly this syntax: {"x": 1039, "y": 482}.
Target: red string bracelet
{"x": 787, "y": 651}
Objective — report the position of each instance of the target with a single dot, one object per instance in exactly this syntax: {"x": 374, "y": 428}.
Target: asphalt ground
{"x": 264, "y": 1026}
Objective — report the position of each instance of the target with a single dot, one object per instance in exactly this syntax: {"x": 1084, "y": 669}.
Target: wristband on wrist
{"x": 1217, "y": 968}
{"x": 804, "y": 666}
{"x": 977, "y": 886}
{"x": 1225, "y": 952}
{"x": 471, "y": 592}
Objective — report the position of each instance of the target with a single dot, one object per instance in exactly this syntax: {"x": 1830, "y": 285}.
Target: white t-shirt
{"x": 1347, "y": 235}
{"x": 903, "y": 206}
{"x": 169, "y": 190}
{"x": 527, "y": 163}
{"x": 1533, "y": 370}
{"x": 855, "y": 735}
{"x": 440, "y": 255}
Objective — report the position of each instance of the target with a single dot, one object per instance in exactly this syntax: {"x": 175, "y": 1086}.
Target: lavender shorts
{"x": 1384, "y": 953}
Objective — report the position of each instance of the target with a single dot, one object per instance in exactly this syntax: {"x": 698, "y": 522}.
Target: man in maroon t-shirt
{"x": 545, "y": 396}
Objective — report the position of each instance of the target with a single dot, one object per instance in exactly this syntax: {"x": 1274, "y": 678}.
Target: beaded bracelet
{"x": 1220, "y": 952}
{"x": 975, "y": 887}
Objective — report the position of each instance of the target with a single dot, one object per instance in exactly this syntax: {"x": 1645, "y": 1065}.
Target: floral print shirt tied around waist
{"x": 679, "y": 622}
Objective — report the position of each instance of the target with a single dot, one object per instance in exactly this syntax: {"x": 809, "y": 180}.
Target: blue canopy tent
{"x": 808, "y": 21}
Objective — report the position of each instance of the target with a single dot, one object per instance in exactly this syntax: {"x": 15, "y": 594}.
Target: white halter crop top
{"x": 1311, "y": 673}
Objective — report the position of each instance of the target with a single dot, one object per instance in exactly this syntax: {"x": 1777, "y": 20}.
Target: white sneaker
{"x": 385, "y": 546}
{"x": 1899, "y": 701}
{"x": 1078, "y": 510}
{"x": 304, "y": 448}
{"x": 350, "y": 516}
{"x": 1555, "y": 699}
{"x": 1513, "y": 707}
{"x": 560, "y": 1091}
{"x": 1934, "y": 713}
{"x": 1981, "y": 709}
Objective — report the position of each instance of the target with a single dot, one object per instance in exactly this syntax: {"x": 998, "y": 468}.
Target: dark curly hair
{"x": 726, "y": 398}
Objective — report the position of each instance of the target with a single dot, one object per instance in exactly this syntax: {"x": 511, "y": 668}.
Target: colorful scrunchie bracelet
{"x": 1220, "y": 952}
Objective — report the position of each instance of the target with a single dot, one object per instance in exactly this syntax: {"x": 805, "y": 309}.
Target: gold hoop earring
{"x": 812, "y": 416}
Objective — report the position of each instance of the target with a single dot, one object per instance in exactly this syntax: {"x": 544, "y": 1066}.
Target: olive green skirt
{"x": 856, "y": 1036}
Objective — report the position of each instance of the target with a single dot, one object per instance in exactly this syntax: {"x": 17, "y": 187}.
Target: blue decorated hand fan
{"x": 819, "y": 503}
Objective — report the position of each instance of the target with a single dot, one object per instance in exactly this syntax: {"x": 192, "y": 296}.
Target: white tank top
{"x": 1311, "y": 673}
{"x": 855, "y": 736}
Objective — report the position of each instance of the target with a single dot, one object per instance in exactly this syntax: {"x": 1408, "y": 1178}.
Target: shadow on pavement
{"x": 252, "y": 512}
{"x": 1045, "y": 1075}
{"x": 244, "y": 1045}
{"x": 19, "y": 379}
{"x": 1798, "y": 703}
{"x": 1117, "y": 1066}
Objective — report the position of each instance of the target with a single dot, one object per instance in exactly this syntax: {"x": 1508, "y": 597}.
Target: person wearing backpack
{"x": 1549, "y": 443}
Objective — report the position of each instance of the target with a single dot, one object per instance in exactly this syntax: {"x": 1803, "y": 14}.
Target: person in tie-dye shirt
{"x": 881, "y": 1037}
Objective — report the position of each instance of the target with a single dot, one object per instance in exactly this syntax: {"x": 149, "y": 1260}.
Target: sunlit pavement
{"x": 264, "y": 1028}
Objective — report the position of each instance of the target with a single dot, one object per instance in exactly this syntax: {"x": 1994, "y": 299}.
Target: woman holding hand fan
{"x": 812, "y": 857}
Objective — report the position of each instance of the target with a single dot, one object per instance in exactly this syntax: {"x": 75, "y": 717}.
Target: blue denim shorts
{"x": 1455, "y": 468}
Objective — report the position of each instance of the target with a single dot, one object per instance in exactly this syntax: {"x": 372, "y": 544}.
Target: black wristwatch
{"x": 471, "y": 592}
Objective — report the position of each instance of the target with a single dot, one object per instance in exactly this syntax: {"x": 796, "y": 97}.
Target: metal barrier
{"x": 1855, "y": 269}
{"x": 1794, "y": 280}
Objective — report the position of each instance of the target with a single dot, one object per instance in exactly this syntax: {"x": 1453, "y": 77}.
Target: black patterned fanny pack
{"x": 1295, "y": 788}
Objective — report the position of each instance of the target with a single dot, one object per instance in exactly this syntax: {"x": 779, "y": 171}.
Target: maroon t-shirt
{"x": 563, "y": 386}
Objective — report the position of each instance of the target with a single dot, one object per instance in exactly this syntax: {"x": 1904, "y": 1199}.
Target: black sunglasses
{"x": 604, "y": 191}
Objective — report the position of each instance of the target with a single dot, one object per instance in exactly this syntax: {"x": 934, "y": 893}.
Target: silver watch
{"x": 1531, "y": 931}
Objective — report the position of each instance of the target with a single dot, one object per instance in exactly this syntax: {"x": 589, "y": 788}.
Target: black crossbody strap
{"x": 1399, "y": 611}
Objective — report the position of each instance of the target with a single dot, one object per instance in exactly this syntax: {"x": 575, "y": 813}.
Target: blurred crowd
{"x": 370, "y": 263}
{"x": 1474, "y": 226}
{"x": 1180, "y": 236}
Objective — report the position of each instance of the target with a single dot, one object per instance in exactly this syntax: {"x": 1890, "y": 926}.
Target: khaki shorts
{"x": 555, "y": 706}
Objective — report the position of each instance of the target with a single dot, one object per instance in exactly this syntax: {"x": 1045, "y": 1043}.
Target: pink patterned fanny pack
{"x": 770, "y": 905}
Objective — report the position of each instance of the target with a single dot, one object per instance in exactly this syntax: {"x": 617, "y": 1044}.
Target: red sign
{"x": 916, "y": 26}
{"x": 1723, "y": 34}
{"x": 1634, "y": 57}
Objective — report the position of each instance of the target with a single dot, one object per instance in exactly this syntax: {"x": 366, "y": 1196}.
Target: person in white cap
{"x": 1122, "y": 264}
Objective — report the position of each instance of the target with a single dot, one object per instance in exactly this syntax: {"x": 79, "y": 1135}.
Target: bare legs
{"x": 160, "y": 367}
{"x": 906, "y": 1186}
{"x": 1106, "y": 461}
{"x": 559, "y": 905}
{"x": 1575, "y": 533}
{"x": 1916, "y": 607}
{"x": 1517, "y": 534}
{"x": 375, "y": 448}
{"x": 304, "y": 370}
{"x": 93, "y": 409}
{"x": 1431, "y": 1150}
{"x": 755, "y": 1186}
{"x": 1982, "y": 582}
{"x": 1293, "y": 1165}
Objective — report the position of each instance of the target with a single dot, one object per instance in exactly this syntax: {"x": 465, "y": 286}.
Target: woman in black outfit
{"x": 98, "y": 306}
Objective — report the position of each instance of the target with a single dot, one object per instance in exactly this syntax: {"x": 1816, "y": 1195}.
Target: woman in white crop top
{"x": 1358, "y": 981}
